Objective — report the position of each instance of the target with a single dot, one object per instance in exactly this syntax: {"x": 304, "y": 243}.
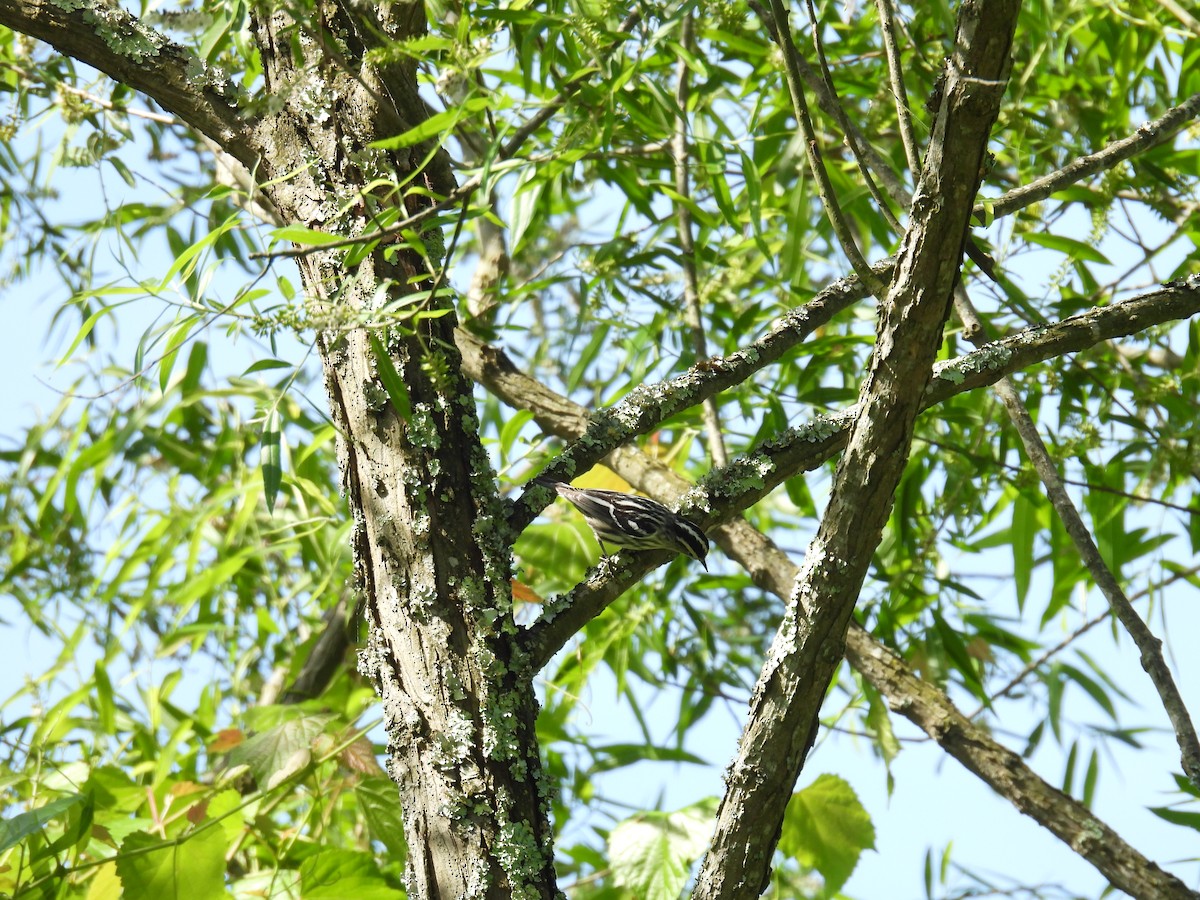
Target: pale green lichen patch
{"x": 422, "y": 428}
{"x": 500, "y": 728}
{"x": 453, "y": 745}
{"x": 743, "y": 475}
{"x": 819, "y": 428}
{"x": 375, "y": 396}
{"x": 988, "y": 358}
{"x": 520, "y": 855}
{"x": 122, "y": 33}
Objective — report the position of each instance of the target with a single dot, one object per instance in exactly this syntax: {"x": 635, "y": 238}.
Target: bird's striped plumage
{"x": 634, "y": 523}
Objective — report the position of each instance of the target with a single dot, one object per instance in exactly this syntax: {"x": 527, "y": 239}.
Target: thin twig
{"x": 112, "y": 107}
{"x": 1083, "y": 629}
{"x": 687, "y": 244}
{"x": 777, "y": 23}
{"x": 1148, "y": 135}
{"x": 887, "y": 28}
{"x": 843, "y": 120}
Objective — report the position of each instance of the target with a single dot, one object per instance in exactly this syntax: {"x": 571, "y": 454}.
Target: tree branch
{"x": 1148, "y": 135}
{"x": 687, "y": 244}
{"x": 1008, "y": 775}
{"x": 887, "y": 29}
{"x": 107, "y": 38}
{"x": 749, "y": 478}
{"x": 645, "y": 408}
{"x": 929, "y": 708}
{"x": 776, "y": 20}
{"x": 464, "y": 191}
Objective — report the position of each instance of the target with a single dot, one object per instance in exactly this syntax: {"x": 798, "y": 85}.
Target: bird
{"x": 633, "y": 523}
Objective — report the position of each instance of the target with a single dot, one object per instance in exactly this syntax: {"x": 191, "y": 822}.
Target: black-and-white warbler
{"x": 634, "y": 523}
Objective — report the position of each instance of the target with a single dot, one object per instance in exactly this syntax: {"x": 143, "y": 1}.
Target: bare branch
{"x": 772, "y": 570}
{"x": 107, "y": 38}
{"x": 776, "y": 20}
{"x": 1148, "y": 135}
{"x": 887, "y": 28}
{"x": 687, "y": 245}
{"x": 749, "y": 478}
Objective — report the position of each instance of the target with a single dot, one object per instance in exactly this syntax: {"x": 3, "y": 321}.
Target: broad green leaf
{"x": 435, "y": 124}
{"x": 272, "y": 464}
{"x": 336, "y": 874}
{"x": 652, "y": 853}
{"x": 305, "y": 237}
{"x": 826, "y": 828}
{"x": 285, "y": 748}
{"x": 1178, "y": 816}
{"x": 377, "y": 798}
{"x": 15, "y": 829}
{"x": 1071, "y": 247}
{"x": 191, "y": 867}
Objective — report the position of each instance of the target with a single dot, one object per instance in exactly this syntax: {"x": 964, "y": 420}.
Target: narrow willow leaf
{"x": 392, "y": 382}
{"x": 272, "y": 466}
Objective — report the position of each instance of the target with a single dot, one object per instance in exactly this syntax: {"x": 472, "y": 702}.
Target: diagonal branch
{"x": 467, "y": 189}
{"x": 785, "y": 706}
{"x": 750, "y": 477}
{"x": 1148, "y": 135}
{"x": 107, "y": 38}
{"x": 930, "y": 709}
{"x": 776, "y": 20}
{"x": 887, "y": 30}
{"x": 1008, "y": 775}
{"x": 645, "y": 407}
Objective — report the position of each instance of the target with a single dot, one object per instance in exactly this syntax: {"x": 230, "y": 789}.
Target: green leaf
{"x": 189, "y": 868}
{"x": 280, "y": 751}
{"x": 305, "y": 237}
{"x": 15, "y": 829}
{"x": 434, "y": 125}
{"x": 616, "y": 756}
{"x": 526, "y": 196}
{"x": 1025, "y": 527}
{"x": 1177, "y": 817}
{"x": 272, "y": 467}
{"x": 185, "y": 262}
{"x": 378, "y": 800}
{"x": 178, "y": 335}
{"x": 879, "y": 720}
{"x": 336, "y": 874}
{"x": 1071, "y": 247}
{"x": 652, "y": 853}
{"x": 264, "y": 364}
{"x": 396, "y": 389}
{"x": 827, "y": 829}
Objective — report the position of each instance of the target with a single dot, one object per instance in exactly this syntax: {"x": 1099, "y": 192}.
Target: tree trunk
{"x": 459, "y": 707}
